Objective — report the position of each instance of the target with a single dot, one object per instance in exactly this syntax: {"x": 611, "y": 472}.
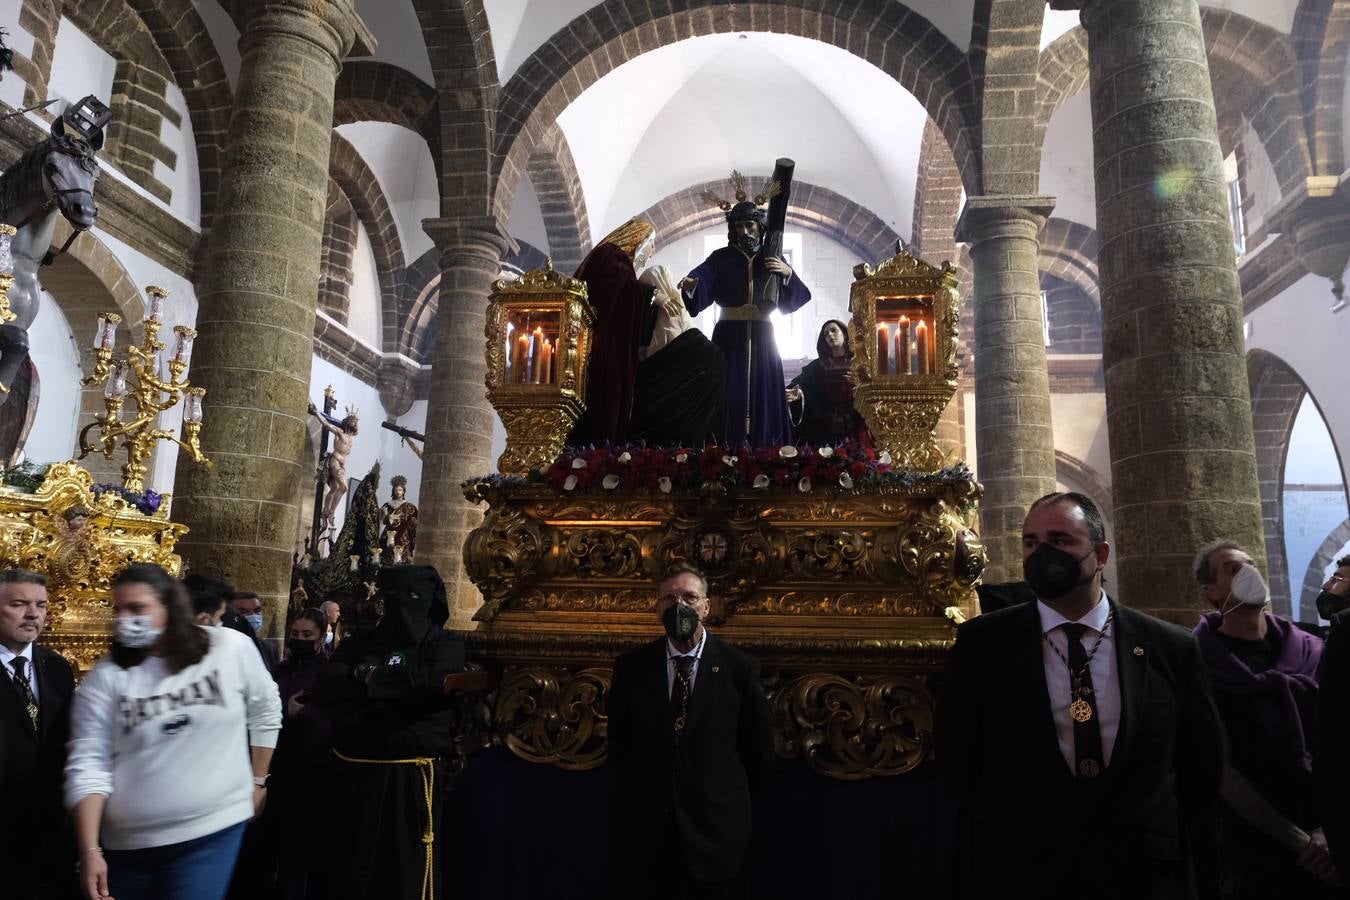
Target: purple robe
{"x": 757, "y": 412}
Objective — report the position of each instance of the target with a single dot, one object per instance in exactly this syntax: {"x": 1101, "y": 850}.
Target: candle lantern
{"x": 904, "y": 354}
{"x": 538, "y": 340}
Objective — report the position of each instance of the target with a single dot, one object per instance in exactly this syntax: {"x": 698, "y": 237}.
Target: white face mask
{"x": 1248, "y": 589}
{"x": 136, "y": 632}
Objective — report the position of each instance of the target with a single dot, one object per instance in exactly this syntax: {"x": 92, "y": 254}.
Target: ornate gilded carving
{"x": 902, "y": 406}
{"x": 554, "y": 716}
{"x": 851, "y": 729}
{"x": 538, "y": 335}
{"x": 854, "y": 553}
{"x": 80, "y": 540}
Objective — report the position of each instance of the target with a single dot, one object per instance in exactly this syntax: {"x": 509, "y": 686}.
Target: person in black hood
{"x": 392, "y": 723}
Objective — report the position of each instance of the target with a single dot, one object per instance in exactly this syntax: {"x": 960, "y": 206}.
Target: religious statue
{"x": 623, "y": 312}
{"x": 53, "y": 178}
{"x": 333, "y": 467}
{"x": 398, "y": 517}
{"x": 748, "y": 282}
{"x": 678, "y": 397}
{"x": 820, "y": 399}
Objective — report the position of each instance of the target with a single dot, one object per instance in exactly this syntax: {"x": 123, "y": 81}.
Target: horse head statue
{"x": 56, "y": 176}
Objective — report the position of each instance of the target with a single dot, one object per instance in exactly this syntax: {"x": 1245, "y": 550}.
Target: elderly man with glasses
{"x": 690, "y": 738}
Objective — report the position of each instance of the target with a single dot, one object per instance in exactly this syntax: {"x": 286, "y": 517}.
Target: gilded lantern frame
{"x": 538, "y": 417}
{"x": 902, "y": 410}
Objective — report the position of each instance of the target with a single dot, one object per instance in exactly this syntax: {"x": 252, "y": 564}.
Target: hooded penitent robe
{"x": 376, "y": 815}
{"x": 757, "y": 413}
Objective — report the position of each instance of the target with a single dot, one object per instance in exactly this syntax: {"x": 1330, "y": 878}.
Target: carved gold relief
{"x": 554, "y": 716}
{"x": 854, "y": 728}
{"x": 80, "y": 541}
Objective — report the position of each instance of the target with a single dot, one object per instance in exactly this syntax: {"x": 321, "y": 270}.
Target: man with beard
{"x": 392, "y": 724}
{"x": 737, "y": 278}
{"x": 1081, "y": 734}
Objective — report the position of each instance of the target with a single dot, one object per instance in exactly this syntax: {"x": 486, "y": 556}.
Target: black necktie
{"x": 1087, "y": 734}
{"x": 25, "y": 688}
{"x": 681, "y": 691}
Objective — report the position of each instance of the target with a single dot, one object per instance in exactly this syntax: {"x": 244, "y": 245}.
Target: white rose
{"x": 570, "y": 483}
{"x": 610, "y": 482}
{"x": 664, "y": 483}
{"x": 804, "y": 485}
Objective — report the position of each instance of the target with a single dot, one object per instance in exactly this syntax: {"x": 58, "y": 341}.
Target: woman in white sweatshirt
{"x": 158, "y": 777}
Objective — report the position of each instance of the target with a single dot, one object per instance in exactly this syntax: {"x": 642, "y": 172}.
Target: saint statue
{"x": 333, "y": 467}
{"x": 399, "y": 519}
{"x": 820, "y": 399}
{"x": 678, "y": 398}
{"x": 623, "y": 312}
{"x": 748, "y": 285}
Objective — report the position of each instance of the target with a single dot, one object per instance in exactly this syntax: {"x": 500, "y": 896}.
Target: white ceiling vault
{"x": 692, "y": 111}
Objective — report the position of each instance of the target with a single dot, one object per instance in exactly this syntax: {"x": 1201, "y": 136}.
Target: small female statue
{"x": 820, "y": 399}
{"x": 399, "y": 517}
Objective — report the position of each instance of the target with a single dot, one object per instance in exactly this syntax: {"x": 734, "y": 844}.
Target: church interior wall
{"x": 1259, "y": 180}
{"x": 56, "y": 356}
{"x": 402, "y": 164}
{"x": 526, "y": 222}
{"x": 363, "y": 294}
{"x": 1066, "y": 161}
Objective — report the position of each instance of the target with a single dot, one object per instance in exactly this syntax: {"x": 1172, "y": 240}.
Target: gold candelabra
{"x": 152, "y": 383}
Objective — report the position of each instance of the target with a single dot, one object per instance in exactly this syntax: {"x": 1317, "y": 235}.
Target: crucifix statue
{"x": 333, "y": 465}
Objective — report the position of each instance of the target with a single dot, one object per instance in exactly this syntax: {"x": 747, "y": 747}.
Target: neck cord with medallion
{"x": 1080, "y": 710}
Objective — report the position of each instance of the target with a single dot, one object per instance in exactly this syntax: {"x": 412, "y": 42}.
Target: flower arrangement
{"x": 791, "y": 468}
{"x": 146, "y": 501}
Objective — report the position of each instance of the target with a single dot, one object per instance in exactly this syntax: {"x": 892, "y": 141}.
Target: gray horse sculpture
{"x": 56, "y": 175}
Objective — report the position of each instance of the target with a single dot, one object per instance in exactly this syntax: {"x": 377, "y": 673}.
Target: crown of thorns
{"x": 742, "y": 194}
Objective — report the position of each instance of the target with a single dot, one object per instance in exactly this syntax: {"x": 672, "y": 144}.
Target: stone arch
{"x": 1277, "y": 393}
{"x": 369, "y": 91}
{"x": 1253, "y": 71}
{"x": 812, "y": 207}
{"x": 459, "y": 46}
{"x": 1069, "y": 252}
{"x": 348, "y": 169}
{"x": 891, "y": 37}
{"x": 155, "y": 43}
{"x": 937, "y": 198}
{"x": 1327, "y": 553}
{"x": 553, "y": 173}
{"x": 335, "y": 257}
{"x": 1321, "y": 38}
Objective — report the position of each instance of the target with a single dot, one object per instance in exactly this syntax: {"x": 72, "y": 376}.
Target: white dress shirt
{"x": 1102, "y": 667}
{"x": 672, "y": 653}
{"x": 7, "y": 663}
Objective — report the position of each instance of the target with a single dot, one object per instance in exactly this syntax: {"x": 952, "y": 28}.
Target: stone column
{"x": 459, "y": 417}
{"x": 1183, "y": 463}
{"x": 1014, "y": 441}
{"x": 257, "y": 294}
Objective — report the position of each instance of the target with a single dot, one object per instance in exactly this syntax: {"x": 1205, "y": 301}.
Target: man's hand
{"x": 294, "y": 706}
{"x": 1316, "y": 858}
{"x": 673, "y": 306}
{"x": 794, "y": 394}
{"x": 688, "y": 285}
{"x": 313, "y": 410}
{"x": 778, "y": 267}
{"x": 259, "y": 801}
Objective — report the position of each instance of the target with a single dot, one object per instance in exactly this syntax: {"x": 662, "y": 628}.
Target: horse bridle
{"x": 42, "y": 209}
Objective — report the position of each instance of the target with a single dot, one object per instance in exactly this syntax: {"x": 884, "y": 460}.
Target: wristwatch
{"x": 261, "y": 780}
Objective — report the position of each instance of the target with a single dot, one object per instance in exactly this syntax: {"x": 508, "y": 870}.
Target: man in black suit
{"x": 1082, "y": 735}
{"x": 34, "y": 726}
{"x": 1332, "y": 743}
{"x": 690, "y": 738}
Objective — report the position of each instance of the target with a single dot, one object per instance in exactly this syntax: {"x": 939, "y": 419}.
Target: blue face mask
{"x": 256, "y": 620}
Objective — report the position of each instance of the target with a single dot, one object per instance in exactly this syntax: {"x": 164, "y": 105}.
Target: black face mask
{"x": 681, "y": 622}
{"x": 1328, "y": 604}
{"x": 300, "y": 648}
{"x": 1052, "y": 572}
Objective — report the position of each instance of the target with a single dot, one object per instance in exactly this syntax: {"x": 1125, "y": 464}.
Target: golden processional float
{"x": 844, "y": 570}
{"x": 57, "y": 521}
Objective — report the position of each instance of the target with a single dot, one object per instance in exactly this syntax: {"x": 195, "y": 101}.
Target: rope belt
{"x": 427, "y": 766}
